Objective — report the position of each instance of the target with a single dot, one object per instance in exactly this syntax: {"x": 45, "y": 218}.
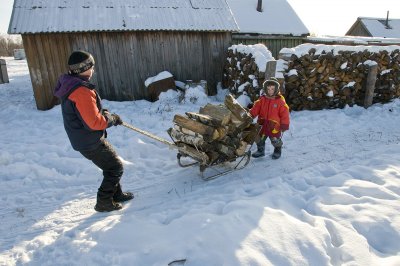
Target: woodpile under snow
{"x": 323, "y": 76}
{"x": 217, "y": 133}
{"x": 245, "y": 68}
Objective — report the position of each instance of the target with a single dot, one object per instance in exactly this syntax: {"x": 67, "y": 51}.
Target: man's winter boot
{"x": 277, "y": 153}
{"x": 260, "y": 150}
{"x": 120, "y": 196}
{"x": 107, "y": 205}
{"x": 123, "y": 196}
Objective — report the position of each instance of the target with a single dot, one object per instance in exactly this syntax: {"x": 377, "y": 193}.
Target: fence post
{"x": 3, "y": 72}
{"x": 270, "y": 69}
{"x": 370, "y": 87}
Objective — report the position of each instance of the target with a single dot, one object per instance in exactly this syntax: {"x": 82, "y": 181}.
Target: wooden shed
{"x": 375, "y": 27}
{"x": 131, "y": 40}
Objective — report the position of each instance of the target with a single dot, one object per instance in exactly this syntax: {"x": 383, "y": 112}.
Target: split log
{"x": 192, "y": 140}
{"x": 187, "y": 131}
{"x": 226, "y": 150}
{"x": 204, "y": 119}
{"x": 250, "y": 133}
{"x": 238, "y": 111}
{"x": 209, "y": 133}
{"x": 219, "y": 112}
{"x": 242, "y": 148}
{"x": 199, "y": 156}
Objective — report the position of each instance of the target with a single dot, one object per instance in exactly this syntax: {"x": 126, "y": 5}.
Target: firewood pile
{"x": 334, "y": 80}
{"x": 242, "y": 74}
{"x": 216, "y": 134}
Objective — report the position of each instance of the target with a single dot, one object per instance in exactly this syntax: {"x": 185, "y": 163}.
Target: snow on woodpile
{"x": 244, "y": 70}
{"x": 333, "y": 76}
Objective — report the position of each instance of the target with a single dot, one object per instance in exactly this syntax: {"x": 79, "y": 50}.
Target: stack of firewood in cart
{"x": 216, "y": 134}
{"x": 329, "y": 80}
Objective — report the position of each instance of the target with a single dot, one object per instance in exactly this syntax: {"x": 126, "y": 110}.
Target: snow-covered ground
{"x": 332, "y": 199}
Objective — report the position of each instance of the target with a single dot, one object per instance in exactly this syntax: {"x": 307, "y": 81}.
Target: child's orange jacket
{"x": 273, "y": 114}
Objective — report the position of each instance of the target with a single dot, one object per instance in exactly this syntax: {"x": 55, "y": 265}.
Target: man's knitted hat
{"x": 79, "y": 62}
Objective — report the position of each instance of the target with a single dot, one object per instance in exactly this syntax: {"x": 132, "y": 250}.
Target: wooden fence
{"x": 273, "y": 43}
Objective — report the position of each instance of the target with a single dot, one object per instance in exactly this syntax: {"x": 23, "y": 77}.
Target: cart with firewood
{"x": 217, "y": 138}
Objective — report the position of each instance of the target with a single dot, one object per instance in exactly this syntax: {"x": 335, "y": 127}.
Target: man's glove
{"x": 116, "y": 120}
{"x": 261, "y": 120}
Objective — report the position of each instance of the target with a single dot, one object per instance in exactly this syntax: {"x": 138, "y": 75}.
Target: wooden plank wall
{"x": 274, "y": 44}
{"x": 359, "y": 30}
{"x": 124, "y": 60}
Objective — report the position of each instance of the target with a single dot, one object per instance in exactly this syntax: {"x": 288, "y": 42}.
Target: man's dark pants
{"x": 107, "y": 160}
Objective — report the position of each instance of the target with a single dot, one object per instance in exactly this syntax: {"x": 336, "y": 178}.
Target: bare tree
{"x": 8, "y": 43}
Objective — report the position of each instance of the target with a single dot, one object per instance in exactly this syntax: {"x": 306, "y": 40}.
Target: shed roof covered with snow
{"x": 375, "y": 27}
{"x": 277, "y": 18}
{"x": 56, "y": 16}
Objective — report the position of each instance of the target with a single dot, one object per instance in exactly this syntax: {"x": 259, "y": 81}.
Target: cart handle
{"x": 148, "y": 134}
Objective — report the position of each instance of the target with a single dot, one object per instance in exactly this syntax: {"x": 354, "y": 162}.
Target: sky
{"x": 335, "y": 17}
{"x": 331, "y": 199}
{"x": 321, "y": 17}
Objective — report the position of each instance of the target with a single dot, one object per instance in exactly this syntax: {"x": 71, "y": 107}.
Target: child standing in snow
{"x": 273, "y": 114}
{"x": 85, "y": 122}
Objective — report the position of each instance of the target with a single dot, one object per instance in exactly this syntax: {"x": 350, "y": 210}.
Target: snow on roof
{"x": 278, "y": 17}
{"x": 354, "y": 40}
{"x": 377, "y": 27}
{"x": 38, "y": 16}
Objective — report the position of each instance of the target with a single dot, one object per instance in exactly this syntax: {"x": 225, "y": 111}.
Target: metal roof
{"x": 378, "y": 27}
{"x": 277, "y": 17}
{"x": 45, "y": 16}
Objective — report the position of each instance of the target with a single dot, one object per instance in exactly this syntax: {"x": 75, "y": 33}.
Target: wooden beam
{"x": 370, "y": 87}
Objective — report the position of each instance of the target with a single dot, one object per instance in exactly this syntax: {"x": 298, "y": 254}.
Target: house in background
{"x": 131, "y": 40}
{"x": 271, "y": 22}
{"x": 375, "y": 27}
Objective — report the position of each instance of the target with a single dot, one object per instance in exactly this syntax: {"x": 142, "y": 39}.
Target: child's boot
{"x": 277, "y": 153}
{"x": 277, "y": 143}
{"x": 260, "y": 149}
